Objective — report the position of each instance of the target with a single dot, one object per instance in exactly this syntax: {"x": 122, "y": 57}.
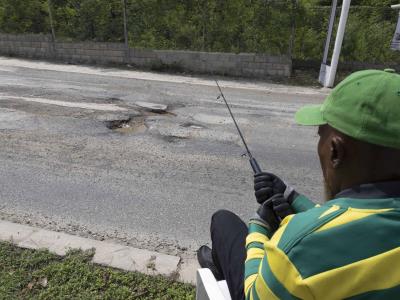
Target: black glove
{"x": 267, "y": 185}
{"x": 266, "y": 214}
{"x": 273, "y": 211}
{"x": 281, "y": 207}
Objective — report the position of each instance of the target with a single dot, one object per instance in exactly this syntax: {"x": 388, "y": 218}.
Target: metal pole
{"x": 330, "y": 30}
{"x": 53, "y": 33}
{"x": 322, "y": 71}
{"x": 204, "y": 9}
{"x": 125, "y": 32}
{"x": 396, "y": 38}
{"x": 338, "y": 43}
{"x": 293, "y": 25}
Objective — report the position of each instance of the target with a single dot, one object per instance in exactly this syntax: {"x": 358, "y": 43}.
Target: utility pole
{"x": 53, "y": 33}
{"x": 204, "y": 10}
{"x": 329, "y": 78}
{"x": 396, "y": 39}
{"x": 322, "y": 72}
{"x": 125, "y": 32}
{"x": 293, "y": 29}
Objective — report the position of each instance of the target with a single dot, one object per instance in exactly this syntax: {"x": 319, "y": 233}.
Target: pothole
{"x": 129, "y": 125}
{"x": 192, "y": 125}
{"x": 155, "y": 113}
{"x": 143, "y": 119}
{"x": 173, "y": 139}
{"x": 118, "y": 124}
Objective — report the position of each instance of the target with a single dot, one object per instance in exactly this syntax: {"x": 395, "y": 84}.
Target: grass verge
{"x": 31, "y": 274}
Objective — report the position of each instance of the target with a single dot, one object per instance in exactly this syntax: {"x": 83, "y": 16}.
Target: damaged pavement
{"x": 142, "y": 159}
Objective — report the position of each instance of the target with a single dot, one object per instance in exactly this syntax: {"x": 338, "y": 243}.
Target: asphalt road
{"x": 154, "y": 182}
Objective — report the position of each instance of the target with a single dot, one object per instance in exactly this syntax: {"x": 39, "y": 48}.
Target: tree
{"x": 20, "y": 16}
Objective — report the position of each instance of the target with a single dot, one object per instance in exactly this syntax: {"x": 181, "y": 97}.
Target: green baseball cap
{"x": 365, "y": 106}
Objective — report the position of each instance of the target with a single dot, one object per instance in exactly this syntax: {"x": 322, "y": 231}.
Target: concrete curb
{"x": 106, "y": 254}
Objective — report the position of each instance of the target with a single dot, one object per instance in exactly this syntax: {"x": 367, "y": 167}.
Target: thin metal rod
{"x": 293, "y": 30}
{"x": 53, "y": 32}
{"x": 234, "y": 121}
{"x": 330, "y": 30}
{"x": 124, "y": 9}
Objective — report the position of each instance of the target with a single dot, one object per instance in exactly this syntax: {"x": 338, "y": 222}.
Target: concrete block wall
{"x": 91, "y": 52}
{"x": 28, "y": 45}
{"x": 243, "y": 64}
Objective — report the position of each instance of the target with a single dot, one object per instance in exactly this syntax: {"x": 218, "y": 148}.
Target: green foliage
{"x": 41, "y": 275}
{"x": 96, "y": 20}
{"x": 23, "y": 16}
{"x": 262, "y": 26}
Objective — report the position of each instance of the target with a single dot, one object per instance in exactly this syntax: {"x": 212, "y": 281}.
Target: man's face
{"x": 325, "y": 153}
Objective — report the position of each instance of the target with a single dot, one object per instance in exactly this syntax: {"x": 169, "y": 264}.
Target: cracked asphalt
{"x": 153, "y": 180}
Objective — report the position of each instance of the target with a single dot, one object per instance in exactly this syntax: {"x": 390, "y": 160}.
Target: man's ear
{"x": 337, "y": 151}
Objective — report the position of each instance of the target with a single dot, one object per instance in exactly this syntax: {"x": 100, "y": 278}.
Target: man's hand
{"x": 281, "y": 207}
{"x": 266, "y": 214}
{"x": 267, "y": 185}
{"x": 273, "y": 211}
{"x": 274, "y": 193}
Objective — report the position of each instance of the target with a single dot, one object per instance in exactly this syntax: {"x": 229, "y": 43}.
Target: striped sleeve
{"x": 258, "y": 235}
{"x": 277, "y": 278}
{"x": 301, "y": 203}
{"x": 267, "y": 266}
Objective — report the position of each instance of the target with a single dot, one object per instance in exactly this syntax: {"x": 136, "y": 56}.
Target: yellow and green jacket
{"x": 348, "y": 248}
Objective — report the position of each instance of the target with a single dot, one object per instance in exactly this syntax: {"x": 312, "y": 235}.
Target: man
{"x": 348, "y": 247}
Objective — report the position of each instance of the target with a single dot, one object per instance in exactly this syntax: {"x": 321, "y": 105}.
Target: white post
{"x": 330, "y": 80}
{"x": 322, "y": 72}
{"x": 330, "y": 30}
{"x": 396, "y": 38}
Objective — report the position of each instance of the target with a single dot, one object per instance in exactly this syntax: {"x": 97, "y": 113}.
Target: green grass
{"x": 30, "y": 274}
